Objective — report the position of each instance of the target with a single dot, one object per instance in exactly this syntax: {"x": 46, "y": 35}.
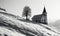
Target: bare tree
{"x": 26, "y": 12}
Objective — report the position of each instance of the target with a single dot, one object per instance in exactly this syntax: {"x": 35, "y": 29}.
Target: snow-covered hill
{"x": 56, "y": 24}
{"x": 6, "y": 32}
{"x": 13, "y": 26}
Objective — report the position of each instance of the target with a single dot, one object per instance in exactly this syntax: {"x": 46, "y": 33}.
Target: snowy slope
{"x": 26, "y": 28}
{"x": 6, "y": 32}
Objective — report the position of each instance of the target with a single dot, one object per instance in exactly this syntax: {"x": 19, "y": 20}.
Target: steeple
{"x": 44, "y": 10}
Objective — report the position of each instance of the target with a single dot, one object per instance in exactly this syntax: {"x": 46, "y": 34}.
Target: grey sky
{"x": 16, "y": 7}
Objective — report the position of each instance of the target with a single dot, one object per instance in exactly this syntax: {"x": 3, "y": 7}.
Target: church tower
{"x": 44, "y": 11}
{"x": 44, "y": 16}
{"x": 41, "y": 18}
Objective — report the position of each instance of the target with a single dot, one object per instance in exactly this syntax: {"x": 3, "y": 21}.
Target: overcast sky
{"x": 16, "y": 7}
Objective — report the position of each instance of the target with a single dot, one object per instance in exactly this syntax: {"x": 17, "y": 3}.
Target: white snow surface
{"x": 33, "y": 27}
{"x": 4, "y": 30}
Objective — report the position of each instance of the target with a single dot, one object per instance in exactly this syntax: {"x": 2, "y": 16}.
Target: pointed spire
{"x": 44, "y": 10}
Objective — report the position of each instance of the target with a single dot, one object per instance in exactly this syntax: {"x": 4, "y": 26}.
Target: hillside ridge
{"x": 32, "y": 29}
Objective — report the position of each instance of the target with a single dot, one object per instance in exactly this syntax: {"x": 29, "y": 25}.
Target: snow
{"x": 4, "y": 30}
{"x": 30, "y": 28}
